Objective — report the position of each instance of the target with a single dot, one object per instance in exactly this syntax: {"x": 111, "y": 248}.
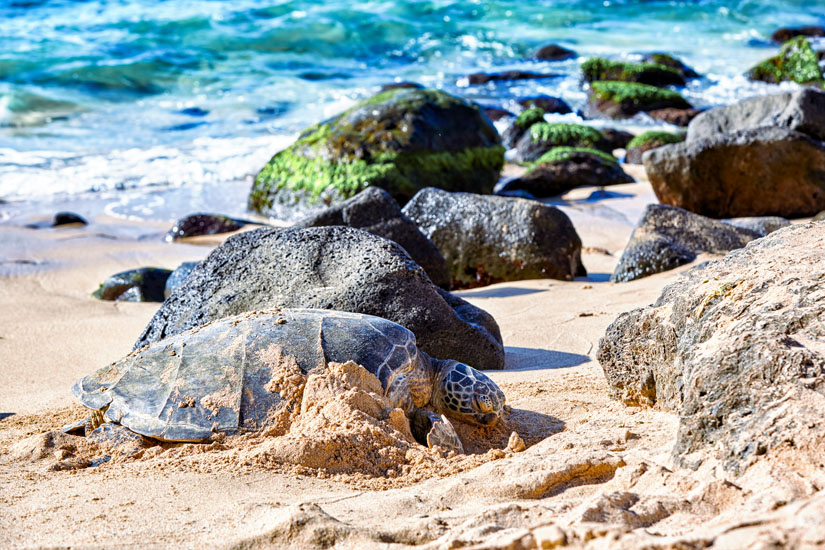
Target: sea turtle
{"x": 217, "y": 377}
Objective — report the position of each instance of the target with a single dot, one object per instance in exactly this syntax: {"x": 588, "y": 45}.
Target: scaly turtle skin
{"x": 215, "y": 378}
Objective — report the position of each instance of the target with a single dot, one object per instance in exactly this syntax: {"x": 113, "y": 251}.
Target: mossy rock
{"x": 522, "y": 123}
{"x": 668, "y": 60}
{"x": 624, "y": 99}
{"x": 401, "y": 140}
{"x": 647, "y": 141}
{"x": 599, "y": 68}
{"x": 145, "y": 284}
{"x": 562, "y": 154}
{"x": 797, "y": 62}
{"x": 544, "y": 136}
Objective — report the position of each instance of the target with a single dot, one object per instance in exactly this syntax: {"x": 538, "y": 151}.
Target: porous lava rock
{"x": 375, "y": 211}
{"x": 735, "y": 349}
{"x": 338, "y": 268}
{"x": 144, "y": 284}
{"x": 667, "y": 237}
{"x": 489, "y": 239}
{"x": 177, "y": 277}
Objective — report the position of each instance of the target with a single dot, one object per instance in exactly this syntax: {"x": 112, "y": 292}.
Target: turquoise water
{"x": 124, "y": 94}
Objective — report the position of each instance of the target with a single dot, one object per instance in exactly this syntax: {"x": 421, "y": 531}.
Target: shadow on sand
{"x": 503, "y": 292}
{"x": 3, "y": 416}
{"x": 539, "y": 359}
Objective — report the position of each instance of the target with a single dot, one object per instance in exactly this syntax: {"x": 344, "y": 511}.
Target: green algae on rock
{"x": 401, "y": 140}
{"x": 561, "y": 154}
{"x": 624, "y": 99}
{"x": 529, "y": 117}
{"x": 669, "y": 61}
{"x": 544, "y": 136}
{"x": 797, "y": 62}
{"x": 599, "y": 68}
{"x": 647, "y": 141}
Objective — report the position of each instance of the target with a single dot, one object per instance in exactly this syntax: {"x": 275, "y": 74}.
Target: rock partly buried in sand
{"x": 400, "y": 140}
{"x": 541, "y": 137}
{"x": 760, "y": 172}
{"x": 667, "y": 237}
{"x": 374, "y": 210}
{"x": 734, "y": 347}
{"x": 177, "y": 277}
{"x": 647, "y": 141}
{"x": 797, "y": 62}
{"x": 565, "y": 168}
{"x": 760, "y": 224}
{"x": 144, "y": 284}
{"x": 238, "y": 374}
{"x": 195, "y": 225}
{"x": 488, "y": 239}
{"x": 616, "y": 99}
{"x": 337, "y": 268}
{"x": 67, "y": 218}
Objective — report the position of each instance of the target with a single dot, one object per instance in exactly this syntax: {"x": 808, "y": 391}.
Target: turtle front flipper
{"x": 433, "y": 430}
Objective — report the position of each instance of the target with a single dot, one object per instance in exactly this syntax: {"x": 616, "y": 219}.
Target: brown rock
{"x": 786, "y": 33}
{"x": 554, "y": 52}
{"x": 677, "y": 117}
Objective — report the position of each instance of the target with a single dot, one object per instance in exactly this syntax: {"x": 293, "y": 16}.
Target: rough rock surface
{"x": 493, "y": 239}
{"x": 765, "y": 171}
{"x": 177, "y": 277}
{"x": 761, "y": 224}
{"x": 375, "y": 211}
{"x": 667, "y": 237}
{"x": 330, "y": 268}
{"x": 736, "y": 347}
{"x": 202, "y": 224}
{"x": 144, "y": 284}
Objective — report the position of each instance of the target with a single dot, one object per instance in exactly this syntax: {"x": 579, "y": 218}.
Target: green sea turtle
{"x": 218, "y": 377}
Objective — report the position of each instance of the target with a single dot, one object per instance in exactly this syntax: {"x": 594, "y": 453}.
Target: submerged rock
{"x": 601, "y": 69}
{"x": 338, "y": 268}
{"x": 195, "y": 225}
{"x": 554, "y": 52}
{"x": 624, "y": 99}
{"x": 667, "y": 237}
{"x": 647, "y": 141}
{"x": 541, "y": 137}
{"x": 734, "y": 349}
{"x": 548, "y": 103}
{"x": 375, "y": 211}
{"x": 145, "y": 284}
{"x": 484, "y": 78}
{"x": 797, "y": 62}
{"x": 488, "y": 239}
{"x": 400, "y": 140}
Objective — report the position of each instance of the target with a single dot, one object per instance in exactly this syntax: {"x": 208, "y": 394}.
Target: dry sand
{"x": 595, "y": 473}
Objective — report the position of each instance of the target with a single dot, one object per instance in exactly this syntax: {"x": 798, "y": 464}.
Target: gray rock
{"x": 734, "y": 347}
{"x": 802, "y": 111}
{"x": 488, "y": 239}
{"x": 667, "y": 237}
{"x": 761, "y": 224}
{"x": 177, "y": 277}
{"x": 338, "y": 268}
{"x": 374, "y": 210}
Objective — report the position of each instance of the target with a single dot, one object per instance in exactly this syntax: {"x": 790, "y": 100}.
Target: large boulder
{"x": 400, "y": 140}
{"x": 797, "y": 62}
{"x": 667, "y": 237}
{"x": 760, "y": 172}
{"x": 489, "y": 239}
{"x": 616, "y": 99}
{"x": 735, "y": 349}
{"x": 338, "y": 268}
{"x": 375, "y": 211}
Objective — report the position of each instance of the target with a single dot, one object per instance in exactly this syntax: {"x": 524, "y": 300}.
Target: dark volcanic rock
{"x": 194, "y": 225}
{"x": 522, "y": 123}
{"x": 760, "y": 224}
{"x": 677, "y": 117}
{"x": 625, "y": 99}
{"x": 496, "y": 113}
{"x": 616, "y": 139}
{"x": 734, "y": 348}
{"x": 484, "y": 78}
{"x": 541, "y": 137}
{"x": 488, "y": 239}
{"x": 548, "y": 104}
{"x": 669, "y": 61}
{"x": 66, "y": 218}
{"x": 145, "y": 284}
{"x": 177, "y": 277}
{"x": 667, "y": 237}
{"x": 554, "y": 52}
{"x": 338, "y": 268}
{"x": 786, "y": 33}
{"x": 761, "y": 172}
{"x": 374, "y": 210}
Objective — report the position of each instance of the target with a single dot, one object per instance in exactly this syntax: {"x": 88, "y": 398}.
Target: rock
{"x": 400, "y": 140}
{"x": 521, "y": 125}
{"x": 66, "y": 218}
{"x": 565, "y": 168}
{"x": 625, "y": 99}
{"x": 401, "y": 85}
{"x": 646, "y": 142}
{"x": 677, "y": 117}
{"x": 548, "y": 104}
{"x": 667, "y": 237}
{"x": 488, "y": 239}
{"x": 796, "y": 62}
{"x": 496, "y": 113}
{"x": 801, "y": 110}
{"x": 554, "y": 52}
{"x": 195, "y": 225}
{"x": 177, "y": 277}
{"x": 761, "y": 172}
{"x": 616, "y": 139}
{"x": 484, "y": 78}
{"x": 760, "y": 224}
{"x": 337, "y": 268}
{"x": 819, "y": 217}
{"x": 375, "y": 211}
{"x": 136, "y": 285}
{"x": 734, "y": 349}
{"x": 541, "y": 137}
{"x": 601, "y": 69}
{"x": 786, "y": 33}
{"x": 670, "y": 61}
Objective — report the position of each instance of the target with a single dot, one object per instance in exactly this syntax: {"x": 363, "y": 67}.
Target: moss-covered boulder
{"x": 542, "y": 137}
{"x": 668, "y": 60}
{"x": 625, "y": 99}
{"x": 401, "y": 140}
{"x": 797, "y": 62}
{"x": 599, "y": 68}
{"x": 646, "y": 142}
{"x": 145, "y": 284}
{"x": 565, "y": 168}
{"x": 523, "y": 122}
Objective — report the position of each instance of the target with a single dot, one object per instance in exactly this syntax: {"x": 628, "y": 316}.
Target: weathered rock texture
{"x": 375, "y": 211}
{"x": 493, "y": 239}
{"x": 667, "y": 237}
{"x": 337, "y": 268}
{"x": 736, "y": 347}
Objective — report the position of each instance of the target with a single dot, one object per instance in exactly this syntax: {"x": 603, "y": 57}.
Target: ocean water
{"x": 122, "y": 98}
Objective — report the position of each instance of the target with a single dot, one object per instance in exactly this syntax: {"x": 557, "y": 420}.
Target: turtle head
{"x": 466, "y": 394}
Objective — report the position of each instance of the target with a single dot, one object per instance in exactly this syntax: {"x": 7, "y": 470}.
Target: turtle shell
{"x": 214, "y": 378}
